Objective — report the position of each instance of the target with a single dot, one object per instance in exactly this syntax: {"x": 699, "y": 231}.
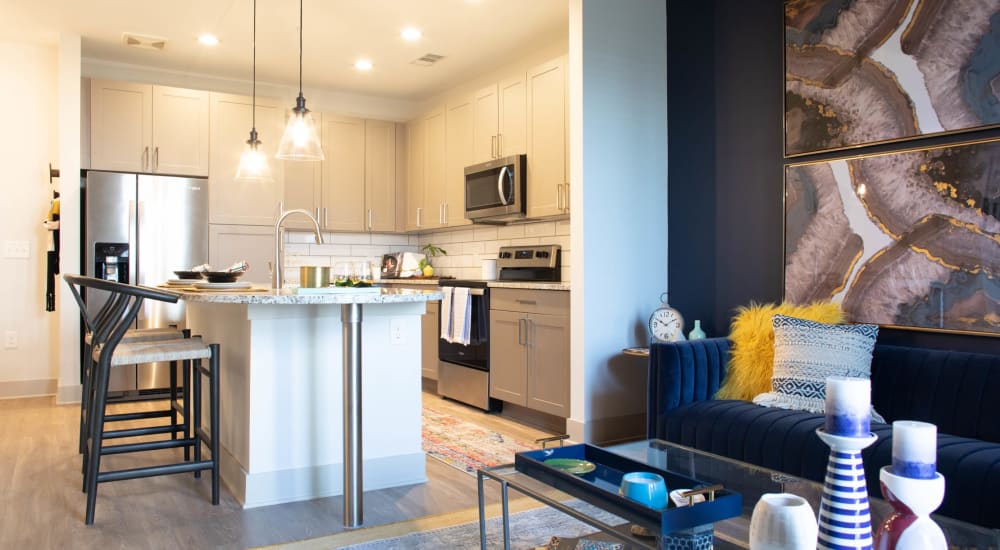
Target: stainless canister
{"x": 314, "y": 276}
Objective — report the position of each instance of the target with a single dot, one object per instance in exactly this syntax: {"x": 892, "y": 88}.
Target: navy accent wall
{"x": 725, "y": 165}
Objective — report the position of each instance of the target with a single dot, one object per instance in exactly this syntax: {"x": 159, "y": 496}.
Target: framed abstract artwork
{"x": 905, "y": 239}
{"x": 859, "y": 72}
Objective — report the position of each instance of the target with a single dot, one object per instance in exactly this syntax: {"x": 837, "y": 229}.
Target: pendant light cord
{"x": 253, "y": 71}
{"x": 300, "y": 47}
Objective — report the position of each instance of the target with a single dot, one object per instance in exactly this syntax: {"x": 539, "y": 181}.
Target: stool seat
{"x": 144, "y": 335}
{"x": 183, "y": 349}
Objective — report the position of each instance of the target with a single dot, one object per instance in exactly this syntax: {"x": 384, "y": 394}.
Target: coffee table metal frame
{"x": 509, "y": 478}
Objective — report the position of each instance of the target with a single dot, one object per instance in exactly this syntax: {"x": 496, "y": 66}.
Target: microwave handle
{"x": 503, "y": 198}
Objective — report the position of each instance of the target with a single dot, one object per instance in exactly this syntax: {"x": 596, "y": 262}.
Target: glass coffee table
{"x": 748, "y": 480}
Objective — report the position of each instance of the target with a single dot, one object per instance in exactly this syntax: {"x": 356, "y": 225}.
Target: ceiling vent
{"x": 133, "y": 40}
{"x": 427, "y": 60}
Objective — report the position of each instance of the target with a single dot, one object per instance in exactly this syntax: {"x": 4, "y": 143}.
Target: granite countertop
{"x": 529, "y": 285}
{"x": 286, "y": 296}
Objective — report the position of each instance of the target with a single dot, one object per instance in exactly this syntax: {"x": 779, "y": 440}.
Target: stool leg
{"x": 189, "y": 430}
{"x": 84, "y": 400}
{"x": 214, "y": 420}
{"x": 96, "y": 422}
{"x": 173, "y": 399}
{"x": 196, "y": 419}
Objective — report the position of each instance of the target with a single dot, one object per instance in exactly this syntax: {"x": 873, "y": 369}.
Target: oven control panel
{"x": 544, "y": 255}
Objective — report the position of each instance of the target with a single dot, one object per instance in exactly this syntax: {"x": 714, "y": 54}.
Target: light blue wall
{"x": 619, "y": 183}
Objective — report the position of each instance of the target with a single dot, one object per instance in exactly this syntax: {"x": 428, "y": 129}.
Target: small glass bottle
{"x": 696, "y": 333}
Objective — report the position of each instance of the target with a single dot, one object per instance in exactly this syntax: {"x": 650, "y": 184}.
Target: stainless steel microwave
{"x": 495, "y": 190}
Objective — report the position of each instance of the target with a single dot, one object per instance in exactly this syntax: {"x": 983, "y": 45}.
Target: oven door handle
{"x": 503, "y": 196}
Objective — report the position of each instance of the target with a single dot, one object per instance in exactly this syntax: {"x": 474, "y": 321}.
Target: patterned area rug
{"x": 464, "y": 445}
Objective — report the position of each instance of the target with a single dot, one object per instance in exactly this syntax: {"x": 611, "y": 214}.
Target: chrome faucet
{"x": 276, "y": 279}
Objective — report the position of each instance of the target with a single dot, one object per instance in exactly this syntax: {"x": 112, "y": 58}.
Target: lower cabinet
{"x": 529, "y": 349}
{"x": 228, "y": 244}
{"x": 429, "y": 333}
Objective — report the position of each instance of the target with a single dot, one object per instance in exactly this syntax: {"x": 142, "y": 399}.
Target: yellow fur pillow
{"x": 751, "y": 358}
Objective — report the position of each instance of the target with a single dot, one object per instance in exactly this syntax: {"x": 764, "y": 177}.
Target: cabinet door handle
{"x": 528, "y": 302}
{"x": 370, "y": 224}
{"x": 559, "y": 196}
{"x": 521, "y": 328}
{"x": 326, "y": 217}
{"x": 145, "y": 157}
{"x": 317, "y": 214}
{"x": 499, "y": 145}
{"x": 566, "y": 199}
{"x": 156, "y": 158}
{"x": 493, "y": 147}
{"x": 418, "y": 215}
{"x": 445, "y": 205}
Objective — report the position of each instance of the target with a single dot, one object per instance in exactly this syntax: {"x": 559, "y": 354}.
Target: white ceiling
{"x": 473, "y": 35}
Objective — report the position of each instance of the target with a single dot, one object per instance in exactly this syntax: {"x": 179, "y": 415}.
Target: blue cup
{"x": 646, "y": 488}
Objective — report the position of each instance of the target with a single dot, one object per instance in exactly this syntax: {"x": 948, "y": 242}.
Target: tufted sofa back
{"x": 957, "y": 391}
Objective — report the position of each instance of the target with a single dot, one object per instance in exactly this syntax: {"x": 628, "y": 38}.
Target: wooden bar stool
{"x": 102, "y": 321}
{"x": 108, "y": 352}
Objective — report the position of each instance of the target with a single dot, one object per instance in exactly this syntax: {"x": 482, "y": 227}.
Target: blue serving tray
{"x": 600, "y": 488}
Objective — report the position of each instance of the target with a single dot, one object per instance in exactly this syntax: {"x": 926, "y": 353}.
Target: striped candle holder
{"x": 845, "y": 520}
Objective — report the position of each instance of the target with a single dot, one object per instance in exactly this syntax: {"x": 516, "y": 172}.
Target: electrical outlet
{"x": 397, "y": 335}
{"x": 16, "y": 249}
{"x": 10, "y": 339}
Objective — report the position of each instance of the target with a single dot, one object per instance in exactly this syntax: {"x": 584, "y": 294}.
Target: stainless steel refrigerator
{"x": 139, "y": 229}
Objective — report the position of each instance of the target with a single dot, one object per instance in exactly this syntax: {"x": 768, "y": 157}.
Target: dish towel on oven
{"x": 461, "y": 316}
{"x": 446, "y": 313}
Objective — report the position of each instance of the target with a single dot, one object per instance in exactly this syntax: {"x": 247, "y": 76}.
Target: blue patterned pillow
{"x": 806, "y": 352}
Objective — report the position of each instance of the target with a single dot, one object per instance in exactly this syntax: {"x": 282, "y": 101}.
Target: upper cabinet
{"x": 459, "y": 154}
{"x": 343, "y": 206}
{"x": 233, "y": 202}
{"x": 145, "y": 128}
{"x": 435, "y": 160}
{"x": 380, "y": 175}
{"x": 415, "y": 174}
{"x": 499, "y": 123}
{"x": 548, "y": 172}
{"x": 354, "y": 187}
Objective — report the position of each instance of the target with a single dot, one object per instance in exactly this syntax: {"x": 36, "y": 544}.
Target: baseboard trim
{"x": 66, "y": 395}
{"x": 15, "y": 389}
{"x": 307, "y": 483}
{"x": 609, "y": 430}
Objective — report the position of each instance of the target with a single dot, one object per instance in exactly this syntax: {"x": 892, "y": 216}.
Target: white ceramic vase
{"x": 782, "y": 521}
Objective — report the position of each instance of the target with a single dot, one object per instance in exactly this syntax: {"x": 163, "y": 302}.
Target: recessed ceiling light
{"x": 411, "y": 34}
{"x": 363, "y": 65}
{"x": 208, "y": 39}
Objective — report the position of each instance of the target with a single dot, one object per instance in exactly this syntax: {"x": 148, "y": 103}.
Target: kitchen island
{"x": 283, "y": 389}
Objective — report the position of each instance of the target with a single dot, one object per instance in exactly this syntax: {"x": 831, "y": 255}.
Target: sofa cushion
{"x": 786, "y": 441}
{"x": 752, "y": 335}
{"x": 807, "y": 352}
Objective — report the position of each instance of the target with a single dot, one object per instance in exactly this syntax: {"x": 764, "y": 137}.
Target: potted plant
{"x": 433, "y": 252}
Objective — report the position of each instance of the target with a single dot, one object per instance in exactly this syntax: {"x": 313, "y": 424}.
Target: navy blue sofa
{"x": 957, "y": 391}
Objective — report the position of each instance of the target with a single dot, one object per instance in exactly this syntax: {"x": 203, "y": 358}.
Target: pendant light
{"x": 253, "y": 167}
{"x": 300, "y": 140}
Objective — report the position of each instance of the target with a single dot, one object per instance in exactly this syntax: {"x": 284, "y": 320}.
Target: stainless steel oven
{"x": 464, "y": 368}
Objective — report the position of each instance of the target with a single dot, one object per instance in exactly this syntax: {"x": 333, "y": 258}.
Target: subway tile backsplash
{"x": 467, "y": 247}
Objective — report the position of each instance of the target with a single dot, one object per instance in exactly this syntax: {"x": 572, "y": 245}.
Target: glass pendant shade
{"x": 301, "y": 138}
{"x": 254, "y": 167}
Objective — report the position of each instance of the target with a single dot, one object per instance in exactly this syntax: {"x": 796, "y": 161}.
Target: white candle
{"x": 914, "y": 449}
{"x": 848, "y": 406}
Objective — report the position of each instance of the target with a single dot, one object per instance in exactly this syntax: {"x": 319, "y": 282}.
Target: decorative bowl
{"x": 223, "y": 276}
{"x": 188, "y": 274}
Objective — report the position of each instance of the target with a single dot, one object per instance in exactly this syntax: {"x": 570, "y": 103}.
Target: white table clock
{"x": 666, "y": 323}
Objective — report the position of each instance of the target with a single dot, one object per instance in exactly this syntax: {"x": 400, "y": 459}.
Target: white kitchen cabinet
{"x": 146, "y": 128}
{"x": 435, "y": 161}
{"x": 228, "y": 244}
{"x": 240, "y": 203}
{"x": 380, "y": 175}
{"x": 343, "y": 203}
{"x": 325, "y": 189}
{"x": 529, "y": 349}
{"x": 459, "y": 154}
{"x": 499, "y": 123}
{"x": 415, "y": 174}
{"x": 548, "y": 173}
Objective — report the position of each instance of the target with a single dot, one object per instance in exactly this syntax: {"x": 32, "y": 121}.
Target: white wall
{"x": 28, "y": 143}
{"x": 618, "y": 175}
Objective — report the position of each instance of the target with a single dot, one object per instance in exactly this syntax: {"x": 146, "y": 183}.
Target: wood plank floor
{"x": 42, "y": 506}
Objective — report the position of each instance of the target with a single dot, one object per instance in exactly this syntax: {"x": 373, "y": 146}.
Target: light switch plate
{"x": 16, "y": 249}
